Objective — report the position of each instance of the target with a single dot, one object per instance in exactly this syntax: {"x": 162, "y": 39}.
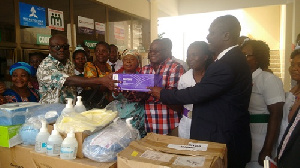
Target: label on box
{"x": 190, "y": 147}
{"x": 153, "y": 155}
{"x": 137, "y": 82}
{"x": 190, "y": 161}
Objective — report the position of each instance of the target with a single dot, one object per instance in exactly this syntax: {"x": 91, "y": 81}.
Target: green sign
{"x": 43, "y": 39}
{"x": 90, "y": 44}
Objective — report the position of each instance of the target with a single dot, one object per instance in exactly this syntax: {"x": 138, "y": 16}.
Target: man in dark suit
{"x": 222, "y": 97}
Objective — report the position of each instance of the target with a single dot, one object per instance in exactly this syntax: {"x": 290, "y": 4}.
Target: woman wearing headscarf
{"x": 126, "y": 108}
{"x": 20, "y": 92}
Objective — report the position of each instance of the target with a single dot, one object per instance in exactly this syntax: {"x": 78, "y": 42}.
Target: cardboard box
{"x": 156, "y": 151}
{"x": 45, "y": 161}
{"x": 80, "y": 136}
{"x": 9, "y": 136}
{"x": 137, "y": 82}
{"x": 16, "y": 157}
{"x": 14, "y": 113}
{"x": 25, "y": 157}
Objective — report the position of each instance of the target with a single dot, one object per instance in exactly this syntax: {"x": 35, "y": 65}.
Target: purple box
{"x": 138, "y": 82}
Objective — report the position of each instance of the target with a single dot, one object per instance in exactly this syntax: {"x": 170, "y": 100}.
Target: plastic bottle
{"x": 42, "y": 138}
{"x": 54, "y": 143}
{"x": 79, "y": 107}
{"x": 69, "y": 106}
{"x": 69, "y": 147}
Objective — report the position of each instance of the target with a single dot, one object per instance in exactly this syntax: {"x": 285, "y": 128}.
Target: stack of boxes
{"x": 12, "y": 116}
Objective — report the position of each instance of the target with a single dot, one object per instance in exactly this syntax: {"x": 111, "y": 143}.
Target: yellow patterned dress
{"x": 91, "y": 70}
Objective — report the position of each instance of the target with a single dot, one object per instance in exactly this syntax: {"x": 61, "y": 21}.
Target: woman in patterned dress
{"x": 100, "y": 68}
{"x": 126, "y": 108}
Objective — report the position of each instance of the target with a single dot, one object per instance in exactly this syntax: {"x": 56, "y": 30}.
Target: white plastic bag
{"x": 30, "y": 129}
{"x": 104, "y": 146}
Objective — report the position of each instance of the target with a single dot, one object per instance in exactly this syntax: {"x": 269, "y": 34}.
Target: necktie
{"x": 113, "y": 67}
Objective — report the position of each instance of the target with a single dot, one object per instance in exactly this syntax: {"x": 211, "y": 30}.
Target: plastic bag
{"x": 30, "y": 129}
{"x": 104, "y": 146}
{"x": 88, "y": 121}
{"x": 50, "y": 111}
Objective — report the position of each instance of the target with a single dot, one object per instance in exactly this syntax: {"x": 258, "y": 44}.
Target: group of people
{"x": 228, "y": 95}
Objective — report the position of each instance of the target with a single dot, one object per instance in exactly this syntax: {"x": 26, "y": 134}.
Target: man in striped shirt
{"x": 160, "y": 118}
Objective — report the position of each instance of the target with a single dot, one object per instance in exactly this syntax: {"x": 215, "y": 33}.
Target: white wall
{"x": 202, "y": 6}
{"x": 167, "y": 8}
{"x": 263, "y": 23}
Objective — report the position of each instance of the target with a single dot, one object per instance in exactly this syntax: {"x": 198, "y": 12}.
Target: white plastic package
{"x": 104, "y": 146}
{"x": 50, "y": 111}
{"x": 30, "y": 129}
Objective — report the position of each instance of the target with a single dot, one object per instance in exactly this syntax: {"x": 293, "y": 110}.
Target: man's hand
{"x": 108, "y": 82}
{"x": 155, "y": 92}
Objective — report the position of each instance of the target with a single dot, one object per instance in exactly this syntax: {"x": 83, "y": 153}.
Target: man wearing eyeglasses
{"x": 56, "y": 77}
{"x": 159, "y": 117}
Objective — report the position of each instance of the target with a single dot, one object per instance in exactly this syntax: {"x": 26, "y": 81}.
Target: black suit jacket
{"x": 291, "y": 154}
{"x": 221, "y": 101}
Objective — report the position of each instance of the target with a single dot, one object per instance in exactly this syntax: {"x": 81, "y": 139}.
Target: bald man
{"x": 56, "y": 77}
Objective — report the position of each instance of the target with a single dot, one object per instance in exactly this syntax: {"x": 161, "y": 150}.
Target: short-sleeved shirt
{"x": 267, "y": 89}
{"x": 159, "y": 117}
{"x": 51, "y": 75}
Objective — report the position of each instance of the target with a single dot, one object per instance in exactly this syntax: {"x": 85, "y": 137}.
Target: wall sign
{"x": 85, "y": 25}
{"x": 32, "y": 15}
{"x": 90, "y": 44}
{"x": 100, "y": 28}
{"x": 43, "y": 39}
{"x": 56, "y": 19}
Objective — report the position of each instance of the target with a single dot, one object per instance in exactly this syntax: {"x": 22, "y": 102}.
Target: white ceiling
{"x": 184, "y": 7}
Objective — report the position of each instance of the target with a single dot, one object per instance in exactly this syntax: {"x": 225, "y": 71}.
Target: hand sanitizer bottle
{"x": 79, "y": 107}
{"x": 69, "y": 147}
{"x": 42, "y": 138}
{"x": 69, "y": 106}
{"x": 54, "y": 143}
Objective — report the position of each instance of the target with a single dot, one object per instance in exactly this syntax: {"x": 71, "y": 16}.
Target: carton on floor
{"x": 25, "y": 157}
{"x": 156, "y": 151}
{"x": 18, "y": 156}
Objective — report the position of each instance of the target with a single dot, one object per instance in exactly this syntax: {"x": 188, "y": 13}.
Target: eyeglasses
{"x": 58, "y": 47}
{"x": 155, "y": 51}
{"x": 101, "y": 51}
